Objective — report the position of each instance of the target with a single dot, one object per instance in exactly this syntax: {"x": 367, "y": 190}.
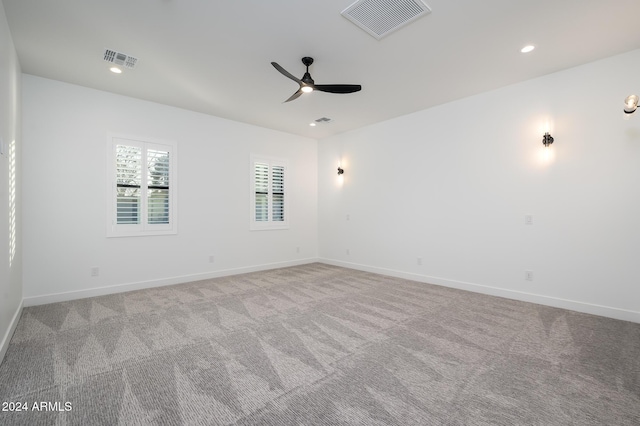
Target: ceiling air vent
{"x": 120, "y": 58}
{"x": 382, "y": 17}
{"x": 323, "y": 120}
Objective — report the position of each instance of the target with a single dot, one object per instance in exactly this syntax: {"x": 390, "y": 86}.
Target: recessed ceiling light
{"x": 312, "y": 124}
{"x": 527, "y": 48}
{"x": 115, "y": 70}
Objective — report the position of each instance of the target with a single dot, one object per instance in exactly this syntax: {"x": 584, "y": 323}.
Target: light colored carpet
{"x": 319, "y": 345}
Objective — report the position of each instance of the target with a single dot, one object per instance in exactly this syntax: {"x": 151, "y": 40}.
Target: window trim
{"x": 143, "y": 229}
{"x": 270, "y": 224}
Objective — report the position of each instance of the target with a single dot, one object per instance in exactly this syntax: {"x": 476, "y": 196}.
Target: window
{"x": 142, "y": 187}
{"x": 269, "y": 200}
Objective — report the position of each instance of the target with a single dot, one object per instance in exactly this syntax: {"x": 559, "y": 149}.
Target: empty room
{"x": 340, "y": 212}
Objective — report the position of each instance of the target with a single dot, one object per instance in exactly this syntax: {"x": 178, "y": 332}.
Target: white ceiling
{"x": 213, "y": 56}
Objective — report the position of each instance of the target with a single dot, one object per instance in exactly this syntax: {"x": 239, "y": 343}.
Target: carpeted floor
{"x": 317, "y": 345}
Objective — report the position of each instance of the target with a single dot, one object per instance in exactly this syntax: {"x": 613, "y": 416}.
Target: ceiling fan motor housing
{"x": 306, "y": 79}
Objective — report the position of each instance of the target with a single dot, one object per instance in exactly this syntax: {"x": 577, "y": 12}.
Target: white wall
{"x": 453, "y": 184}
{"x": 450, "y": 185}
{"x": 65, "y": 134}
{"x": 10, "y": 187}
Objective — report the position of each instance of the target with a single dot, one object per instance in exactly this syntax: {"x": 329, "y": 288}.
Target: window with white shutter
{"x": 142, "y": 187}
{"x": 269, "y": 200}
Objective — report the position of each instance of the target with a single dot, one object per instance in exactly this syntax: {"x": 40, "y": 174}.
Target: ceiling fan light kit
{"x": 307, "y": 84}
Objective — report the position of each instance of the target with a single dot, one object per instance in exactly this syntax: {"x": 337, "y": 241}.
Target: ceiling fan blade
{"x": 286, "y": 73}
{"x": 338, "y": 88}
{"x": 295, "y": 95}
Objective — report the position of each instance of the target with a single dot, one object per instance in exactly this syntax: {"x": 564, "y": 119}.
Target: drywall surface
{"x": 10, "y": 187}
{"x": 65, "y": 175}
{"x": 443, "y": 195}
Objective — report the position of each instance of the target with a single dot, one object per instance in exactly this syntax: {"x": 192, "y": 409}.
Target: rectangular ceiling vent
{"x": 119, "y": 58}
{"x": 382, "y": 17}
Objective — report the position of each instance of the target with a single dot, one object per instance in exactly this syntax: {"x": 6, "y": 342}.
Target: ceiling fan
{"x": 308, "y": 85}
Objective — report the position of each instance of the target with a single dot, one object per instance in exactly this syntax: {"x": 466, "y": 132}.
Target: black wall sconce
{"x": 630, "y": 104}
{"x": 340, "y": 170}
{"x": 547, "y": 139}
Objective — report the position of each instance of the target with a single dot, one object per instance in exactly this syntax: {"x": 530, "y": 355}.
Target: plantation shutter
{"x": 261, "y": 180}
{"x": 157, "y": 186}
{"x": 268, "y": 194}
{"x": 142, "y": 188}
{"x": 277, "y": 193}
{"x": 128, "y": 184}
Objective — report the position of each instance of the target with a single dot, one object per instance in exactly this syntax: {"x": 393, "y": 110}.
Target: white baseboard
{"x": 605, "y": 311}
{"x": 4, "y": 345}
{"x": 121, "y": 288}
{"x": 588, "y": 308}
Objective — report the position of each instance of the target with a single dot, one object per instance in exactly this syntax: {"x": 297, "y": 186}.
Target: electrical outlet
{"x": 528, "y": 275}
{"x": 528, "y": 219}
{"x": 212, "y": 259}
{"x": 95, "y": 271}
{"x": 348, "y": 251}
{"x": 297, "y": 249}
{"x": 419, "y": 260}
{"x": 348, "y": 217}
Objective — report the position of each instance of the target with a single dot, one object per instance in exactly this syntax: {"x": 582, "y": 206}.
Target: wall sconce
{"x": 340, "y": 170}
{"x": 547, "y": 139}
{"x": 630, "y": 104}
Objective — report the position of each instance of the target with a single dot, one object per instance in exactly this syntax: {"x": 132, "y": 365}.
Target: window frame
{"x": 144, "y": 228}
{"x": 269, "y": 224}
